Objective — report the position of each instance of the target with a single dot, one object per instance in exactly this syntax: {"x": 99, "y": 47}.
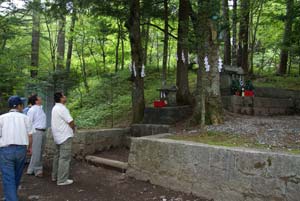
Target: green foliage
{"x": 235, "y": 86}
{"x": 292, "y": 83}
{"x": 249, "y": 85}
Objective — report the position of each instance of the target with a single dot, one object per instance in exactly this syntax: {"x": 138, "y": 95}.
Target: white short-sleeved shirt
{"x": 37, "y": 116}
{"x": 60, "y": 120}
{"x": 15, "y": 127}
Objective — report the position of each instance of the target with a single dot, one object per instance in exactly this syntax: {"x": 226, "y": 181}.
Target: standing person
{"x": 26, "y": 109}
{"x": 38, "y": 118}
{"x": 63, "y": 128}
{"x": 15, "y": 138}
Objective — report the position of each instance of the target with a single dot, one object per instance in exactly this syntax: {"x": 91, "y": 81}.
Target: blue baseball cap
{"x": 14, "y": 101}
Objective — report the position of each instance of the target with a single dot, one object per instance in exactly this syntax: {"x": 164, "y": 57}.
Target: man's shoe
{"x": 68, "y": 182}
{"x": 40, "y": 175}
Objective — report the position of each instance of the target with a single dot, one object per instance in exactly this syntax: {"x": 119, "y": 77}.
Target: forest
{"x": 110, "y": 57}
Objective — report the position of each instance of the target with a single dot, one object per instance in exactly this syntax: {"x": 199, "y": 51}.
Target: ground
{"x": 95, "y": 184}
{"x": 273, "y": 132}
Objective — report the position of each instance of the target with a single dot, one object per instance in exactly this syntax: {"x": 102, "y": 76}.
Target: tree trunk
{"x": 133, "y": 26}
{"x": 166, "y": 42}
{"x": 243, "y": 36}
{"x": 157, "y": 52}
{"x": 70, "y": 42}
{"x": 103, "y": 54}
{"x": 61, "y": 43}
{"x": 254, "y": 31}
{"x": 208, "y": 106}
{"x": 146, "y": 40}
{"x": 284, "y": 52}
{"x": 35, "y": 43}
{"x": 123, "y": 54}
{"x": 227, "y": 45}
{"x": 234, "y": 31}
{"x": 183, "y": 95}
{"x": 117, "y": 46}
{"x": 80, "y": 54}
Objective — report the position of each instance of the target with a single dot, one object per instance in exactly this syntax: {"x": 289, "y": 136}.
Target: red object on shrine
{"x": 249, "y": 93}
{"x": 159, "y": 103}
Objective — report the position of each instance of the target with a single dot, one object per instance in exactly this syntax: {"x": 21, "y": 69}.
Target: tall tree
{"x": 35, "y": 41}
{"x": 227, "y": 45}
{"x": 284, "y": 52}
{"x": 71, "y": 38}
{"x": 256, "y": 11}
{"x": 234, "y": 31}
{"x": 61, "y": 43}
{"x": 117, "y": 45}
{"x": 133, "y": 26}
{"x": 243, "y": 36}
{"x": 166, "y": 43}
{"x": 183, "y": 95}
{"x": 208, "y": 106}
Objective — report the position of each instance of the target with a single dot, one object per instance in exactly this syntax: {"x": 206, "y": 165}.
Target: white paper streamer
{"x": 196, "y": 60}
{"x": 134, "y": 70}
{"x": 182, "y": 57}
{"x": 220, "y": 65}
{"x": 130, "y": 67}
{"x": 206, "y": 64}
{"x": 176, "y": 57}
{"x": 143, "y": 71}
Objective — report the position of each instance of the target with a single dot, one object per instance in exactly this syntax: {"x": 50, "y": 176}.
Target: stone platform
{"x": 167, "y": 115}
{"x": 216, "y": 172}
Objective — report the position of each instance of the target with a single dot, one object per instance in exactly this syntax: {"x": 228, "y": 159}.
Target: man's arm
{"x": 72, "y": 125}
{"x": 30, "y": 143}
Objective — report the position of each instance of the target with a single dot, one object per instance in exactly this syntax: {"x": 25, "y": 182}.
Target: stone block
{"x": 246, "y": 110}
{"x": 214, "y": 172}
{"x": 261, "y": 111}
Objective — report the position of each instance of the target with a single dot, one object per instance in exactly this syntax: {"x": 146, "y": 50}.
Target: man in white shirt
{"x": 15, "y": 138}
{"x": 63, "y": 127}
{"x": 38, "y": 119}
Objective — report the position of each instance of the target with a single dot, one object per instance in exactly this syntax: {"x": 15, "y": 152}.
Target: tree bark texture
{"x": 133, "y": 26}
{"x": 284, "y": 52}
{"x": 208, "y": 107}
{"x": 183, "y": 95}
{"x": 227, "y": 44}
{"x": 243, "y": 36}
{"x": 234, "y": 31}
{"x": 166, "y": 43}
{"x": 70, "y": 42}
{"x": 35, "y": 43}
{"x": 61, "y": 43}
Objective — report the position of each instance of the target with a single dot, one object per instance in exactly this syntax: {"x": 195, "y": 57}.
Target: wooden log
{"x": 107, "y": 162}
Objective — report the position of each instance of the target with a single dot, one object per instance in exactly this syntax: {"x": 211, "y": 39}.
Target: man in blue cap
{"x": 15, "y": 139}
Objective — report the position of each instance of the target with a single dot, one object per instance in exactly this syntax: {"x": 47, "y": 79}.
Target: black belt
{"x": 41, "y": 129}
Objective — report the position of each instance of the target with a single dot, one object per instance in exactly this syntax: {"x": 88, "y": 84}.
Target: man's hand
{"x": 29, "y": 149}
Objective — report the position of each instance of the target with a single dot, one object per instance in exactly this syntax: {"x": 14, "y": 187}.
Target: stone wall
{"x": 91, "y": 141}
{"x": 219, "y": 173}
{"x": 260, "y": 105}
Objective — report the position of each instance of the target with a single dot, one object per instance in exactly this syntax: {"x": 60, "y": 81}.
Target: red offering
{"x": 249, "y": 93}
{"x": 159, "y": 103}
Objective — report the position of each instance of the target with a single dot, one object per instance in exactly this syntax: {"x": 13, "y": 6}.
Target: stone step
{"x": 107, "y": 162}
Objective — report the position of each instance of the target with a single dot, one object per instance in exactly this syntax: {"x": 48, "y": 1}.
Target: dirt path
{"x": 95, "y": 184}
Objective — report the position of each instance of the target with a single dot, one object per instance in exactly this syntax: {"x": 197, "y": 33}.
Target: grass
{"x": 283, "y": 82}
{"x": 229, "y": 140}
